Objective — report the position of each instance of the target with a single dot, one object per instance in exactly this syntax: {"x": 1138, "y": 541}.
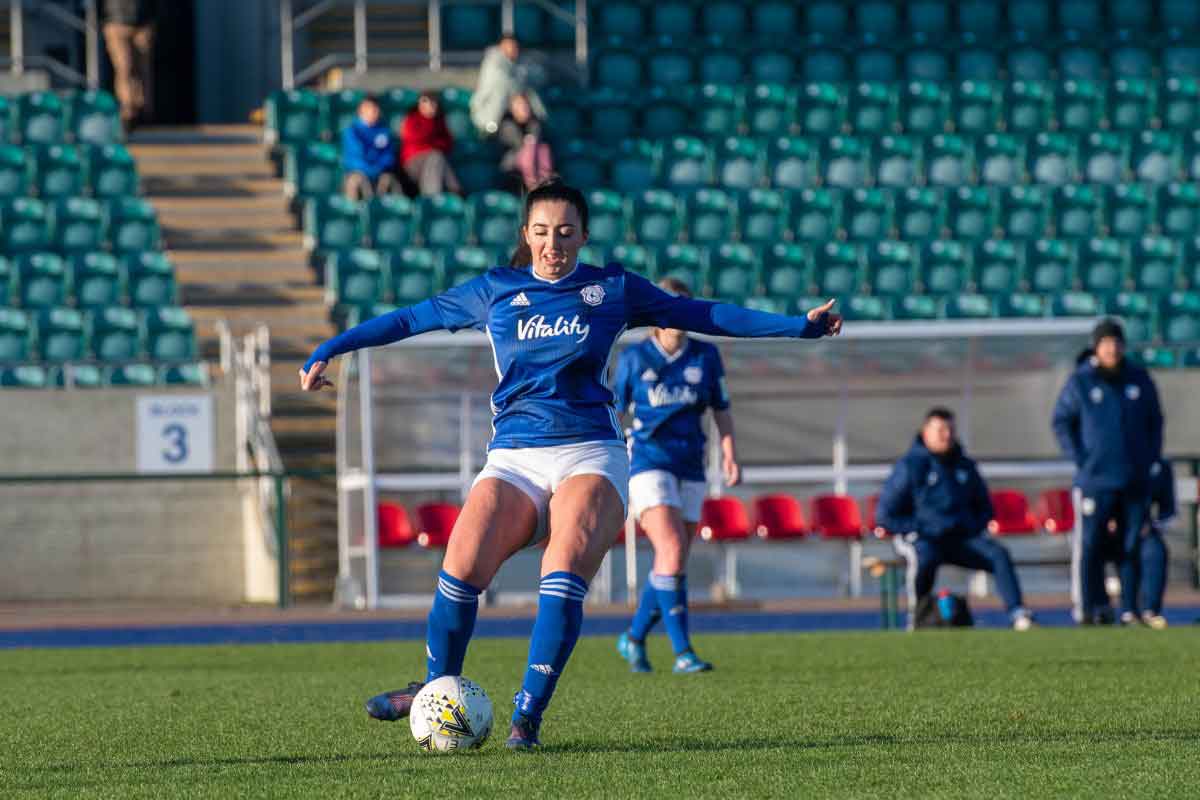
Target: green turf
{"x": 1098, "y": 712}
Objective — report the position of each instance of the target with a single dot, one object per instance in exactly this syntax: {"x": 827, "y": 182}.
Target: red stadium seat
{"x": 1013, "y": 517}
{"x": 435, "y": 521}
{"x": 871, "y": 506}
{"x": 836, "y": 517}
{"x": 1056, "y": 511}
{"x": 779, "y": 516}
{"x": 724, "y": 519}
{"x": 395, "y": 529}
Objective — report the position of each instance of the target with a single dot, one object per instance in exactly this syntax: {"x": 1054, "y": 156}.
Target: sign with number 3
{"x": 175, "y": 433}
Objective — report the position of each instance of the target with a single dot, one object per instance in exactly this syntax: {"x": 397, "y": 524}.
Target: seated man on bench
{"x": 937, "y": 507}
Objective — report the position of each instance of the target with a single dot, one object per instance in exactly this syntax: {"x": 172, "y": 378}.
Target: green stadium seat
{"x": 16, "y": 335}
{"x": 866, "y": 214}
{"x": 718, "y": 64}
{"x": 1029, "y": 106}
{"x": 772, "y": 305}
{"x": 394, "y": 105}
{"x": 787, "y": 270}
{"x": 57, "y": 171}
{"x": 617, "y": 67}
{"x": 110, "y": 172}
{"x": 687, "y": 163}
{"x": 925, "y": 108}
{"x": 710, "y": 216}
{"x": 793, "y": 163}
{"x": 915, "y": 307}
{"x": 13, "y": 171}
{"x": 1179, "y": 101}
{"x": 735, "y": 270}
{"x": 1050, "y": 265}
{"x": 96, "y": 280}
{"x": 132, "y": 225}
{"x": 725, "y": 18}
{"x": 39, "y": 118}
{"x": 945, "y": 267}
{"x": 42, "y": 279}
{"x": 656, "y": 217}
{"x": 865, "y": 308}
{"x": 1131, "y": 104}
{"x": 618, "y": 108}
{"x": 464, "y": 263}
{"x": 636, "y": 167}
{"x": 443, "y": 220}
{"x": 1080, "y": 16}
{"x": 7, "y": 282}
{"x": 1021, "y": 305}
{"x": 1155, "y": 157}
{"x": 877, "y": 20}
{"x": 608, "y": 218}
{"x": 184, "y": 375}
{"x": 456, "y": 105}
{"x": 570, "y": 118}
{"x": 686, "y": 262}
{"x": 920, "y": 214}
{"x": 1178, "y": 210}
{"x": 1023, "y": 211}
{"x": 821, "y": 109}
{"x": 357, "y": 315}
{"x": 948, "y": 161}
{"x": 927, "y": 64}
{"x": 771, "y": 65}
{"x": 356, "y": 277}
{"x": 816, "y": 215}
{"x": 1076, "y": 211}
{"x": 1081, "y": 62}
{"x": 673, "y": 18}
{"x": 665, "y": 112}
{"x": 971, "y": 213}
{"x": 762, "y": 215}
{"x": 997, "y": 266}
{"x": 977, "y": 62}
{"x": 979, "y": 20}
{"x": 312, "y": 169}
{"x": 1192, "y": 156}
{"x": 585, "y": 165}
{"x": 131, "y": 375}
{"x": 417, "y": 273}
{"x": 968, "y": 306}
{"x": 1000, "y": 159}
{"x": 6, "y": 112}
{"x": 1180, "y": 16}
{"x": 897, "y": 161}
{"x": 1075, "y": 304}
{"x": 496, "y": 217}
{"x": 1128, "y": 210}
{"x": 891, "y": 268}
{"x": 1052, "y": 159}
{"x": 151, "y": 279}
{"x": 93, "y": 117}
{"x": 340, "y": 111}
{"x": 1028, "y": 63}
{"x": 1139, "y": 313}
{"x": 929, "y": 20}
{"x": 827, "y": 19}
{"x": 774, "y": 18}
{"x": 24, "y": 226}
{"x": 293, "y": 117}
{"x": 619, "y": 19}
{"x": 469, "y": 26}
{"x": 170, "y": 335}
{"x": 873, "y": 109}
{"x": 1080, "y": 105}
{"x": 823, "y": 64}
{"x": 1131, "y": 60}
{"x": 1103, "y": 266}
{"x": 839, "y": 270}
{"x": 741, "y": 163}
{"x": 391, "y": 221}
{"x": 845, "y": 163}
{"x": 115, "y": 334}
{"x": 591, "y": 253}
{"x": 1152, "y": 357}
{"x": 635, "y": 257}
{"x": 1181, "y": 320}
{"x": 24, "y": 376}
{"x": 770, "y": 110}
{"x": 61, "y": 335}
{"x": 1156, "y": 264}
{"x": 76, "y": 225}
{"x": 666, "y": 63}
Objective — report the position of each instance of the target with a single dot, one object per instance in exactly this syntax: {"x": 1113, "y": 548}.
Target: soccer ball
{"x": 451, "y": 713}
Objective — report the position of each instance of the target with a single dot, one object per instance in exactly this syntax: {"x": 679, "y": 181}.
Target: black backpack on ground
{"x": 930, "y": 616}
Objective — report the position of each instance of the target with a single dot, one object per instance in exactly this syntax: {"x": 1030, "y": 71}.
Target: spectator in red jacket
{"x": 425, "y": 147}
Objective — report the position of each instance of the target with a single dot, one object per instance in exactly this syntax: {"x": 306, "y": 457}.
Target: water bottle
{"x": 945, "y": 604}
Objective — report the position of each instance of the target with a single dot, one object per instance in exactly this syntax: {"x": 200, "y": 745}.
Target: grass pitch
{"x": 1052, "y": 713}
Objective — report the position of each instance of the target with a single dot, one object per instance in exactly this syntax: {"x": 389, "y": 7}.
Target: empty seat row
{"x": 61, "y": 170}
{"x": 78, "y": 224}
{"x": 91, "y": 376}
{"x": 46, "y": 118}
{"x": 85, "y": 280}
{"x": 117, "y": 334}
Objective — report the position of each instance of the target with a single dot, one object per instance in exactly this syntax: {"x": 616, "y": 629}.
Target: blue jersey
{"x": 553, "y": 342}
{"x": 669, "y": 394}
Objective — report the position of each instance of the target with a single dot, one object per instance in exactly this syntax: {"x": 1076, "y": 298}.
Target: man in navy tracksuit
{"x": 937, "y": 507}
{"x": 1109, "y": 422}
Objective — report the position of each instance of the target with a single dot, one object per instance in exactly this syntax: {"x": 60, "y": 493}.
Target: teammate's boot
{"x": 634, "y": 652}
{"x": 524, "y": 733}
{"x": 1130, "y": 619}
{"x": 1103, "y": 616}
{"x": 1156, "y": 621}
{"x": 1022, "y": 620}
{"x": 392, "y": 706}
{"x": 688, "y": 662}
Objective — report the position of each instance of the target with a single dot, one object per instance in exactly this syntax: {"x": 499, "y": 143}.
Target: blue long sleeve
{"x": 649, "y": 305}
{"x": 1066, "y": 423}
{"x": 895, "y": 512}
{"x": 354, "y": 157}
{"x": 391, "y": 327}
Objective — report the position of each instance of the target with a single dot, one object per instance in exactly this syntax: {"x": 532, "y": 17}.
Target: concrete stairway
{"x": 239, "y": 257}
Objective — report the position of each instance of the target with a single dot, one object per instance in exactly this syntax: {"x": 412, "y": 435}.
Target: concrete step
{"x": 232, "y": 133}
{"x": 202, "y": 204}
{"x": 239, "y": 295}
{"x": 244, "y": 272}
{"x": 232, "y": 239}
{"x": 215, "y": 186}
{"x": 224, "y": 167}
{"x": 217, "y": 218}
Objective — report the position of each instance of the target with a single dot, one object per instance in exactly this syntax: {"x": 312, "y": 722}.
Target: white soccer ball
{"x": 451, "y": 713}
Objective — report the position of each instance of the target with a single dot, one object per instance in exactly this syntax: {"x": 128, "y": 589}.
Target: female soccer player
{"x": 670, "y": 380}
{"x": 557, "y": 469}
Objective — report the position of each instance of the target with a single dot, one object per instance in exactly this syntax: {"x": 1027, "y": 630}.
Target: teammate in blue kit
{"x": 669, "y": 381}
{"x": 557, "y": 469}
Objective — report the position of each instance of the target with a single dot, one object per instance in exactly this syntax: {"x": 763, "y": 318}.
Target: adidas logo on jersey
{"x": 536, "y": 327}
{"x": 649, "y": 375}
{"x": 520, "y": 300}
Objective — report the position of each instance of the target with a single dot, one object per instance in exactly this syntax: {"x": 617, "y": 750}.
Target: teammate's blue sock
{"x": 559, "y": 618}
{"x": 671, "y": 592}
{"x": 451, "y": 622}
{"x": 647, "y": 614}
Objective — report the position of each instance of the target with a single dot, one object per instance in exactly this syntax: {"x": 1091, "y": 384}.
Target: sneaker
{"x": 524, "y": 733}
{"x": 1022, "y": 621}
{"x": 392, "y": 706}
{"x": 634, "y": 652}
{"x": 689, "y": 662}
{"x": 1103, "y": 616}
{"x": 1130, "y": 619}
{"x": 1156, "y": 621}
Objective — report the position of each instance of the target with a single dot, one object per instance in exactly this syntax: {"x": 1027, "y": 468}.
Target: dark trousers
{"x": 925, "y": 555}
{"x": 1094, "y": 511}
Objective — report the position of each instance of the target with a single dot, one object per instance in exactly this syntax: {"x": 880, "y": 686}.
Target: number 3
{"x": 176, "y": 436}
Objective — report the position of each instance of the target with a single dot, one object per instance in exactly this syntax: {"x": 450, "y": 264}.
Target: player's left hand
{"x": 833, "y": 320}
{"x": 732, "y": 471}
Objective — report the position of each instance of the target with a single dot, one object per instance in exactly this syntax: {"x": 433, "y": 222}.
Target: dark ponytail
{"x": 551, "y": 188}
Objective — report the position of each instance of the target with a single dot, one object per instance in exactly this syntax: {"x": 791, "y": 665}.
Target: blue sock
{"x": 451, "y": 622}
{"x": 671, "y": 592}
{"x": 647, "y": 614}
{"x": 559, "y": 618}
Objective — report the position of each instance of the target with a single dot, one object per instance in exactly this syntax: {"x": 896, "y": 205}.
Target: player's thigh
{"x": 585, "y": 518}
{"x": 978, "y": 552}
{"x": 497, "y": 520}
{"x": 1135, "y": 510}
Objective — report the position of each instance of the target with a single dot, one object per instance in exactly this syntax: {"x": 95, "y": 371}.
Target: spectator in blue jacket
{"x": 1109, "y": 422}
{"x": 368, "y": 154}
{"x": 937, "y": 507}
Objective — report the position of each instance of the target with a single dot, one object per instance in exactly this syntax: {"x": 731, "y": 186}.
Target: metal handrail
{"x": 88, "y": 24}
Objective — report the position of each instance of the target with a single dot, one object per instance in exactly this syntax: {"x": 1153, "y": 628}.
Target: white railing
{"x": 87, "y": 22}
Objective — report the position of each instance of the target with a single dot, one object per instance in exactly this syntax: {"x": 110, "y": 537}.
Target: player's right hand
{"x": 833, "y": 320}
{"x": 314, "y": 380}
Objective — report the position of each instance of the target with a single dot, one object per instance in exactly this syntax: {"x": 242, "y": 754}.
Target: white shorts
{"x": 657, "y": 487}
{"x": 537, "y": 471}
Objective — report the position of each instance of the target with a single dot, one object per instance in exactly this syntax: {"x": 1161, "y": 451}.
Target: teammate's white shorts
{"x": 657, "y": 487}
{"x": 537, "y": 471}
